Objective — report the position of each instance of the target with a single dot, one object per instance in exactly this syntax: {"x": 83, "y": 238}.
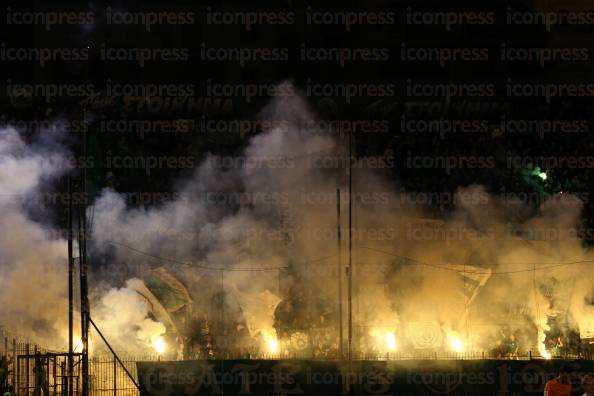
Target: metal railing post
{"x": 113, "y": 352}
{"x": 115, "y": 382}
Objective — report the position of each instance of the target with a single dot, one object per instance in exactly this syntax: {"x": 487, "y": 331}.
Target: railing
{"x": 47, "y": 374}
{"x": 108, "y": 378}
{"x": 33, "y": 369}
{"x": 117, "y": 376}
{"x": 12, "y": 346}
{"x": 415, "y": 355}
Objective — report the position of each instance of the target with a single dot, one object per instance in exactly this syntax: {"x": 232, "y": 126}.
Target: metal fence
{"x": 20, "y": 373}
{"x": 47, "y": 374}
{"x": 107, "y": 377}
{"x": 9, "y": 350}
{"x": 418, "y": 355}
{"x": 30, "y": 369}
{"x": 34, "y": 370}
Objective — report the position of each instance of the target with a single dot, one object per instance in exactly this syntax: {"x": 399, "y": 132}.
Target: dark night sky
{"x": 193, "y": 53}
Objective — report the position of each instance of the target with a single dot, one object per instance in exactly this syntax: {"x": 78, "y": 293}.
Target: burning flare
{"x": 272, "y": 345}
{"x": 385, "y": 338}
{"x": 159, "y": 345}
{"x": 390, "y": 339}
{"x": 456, "y": 344}
{"x": 543, "y": 351}
{"x": 271, "y": 341}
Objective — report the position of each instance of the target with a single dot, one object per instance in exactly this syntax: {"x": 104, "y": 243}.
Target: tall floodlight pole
{"x": 339, "y": 275}
{"x": 70, "y": 292}
{"x": 82, "y": 244}
{"x": 350, "y": 267}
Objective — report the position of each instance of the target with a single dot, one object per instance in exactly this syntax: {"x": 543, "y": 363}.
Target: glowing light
{"x": 385, "y": 338}
{"x": 270, "y": 341}
{"x": 159, "y": 345}
{"x": 272, "y": 345}
{"x": 540, "y": 174}
{"x": 78, "y": 346}
{"x": 543, "y": 351}
{"x": 390, "y": 341}
{"x": 456, "y": 344}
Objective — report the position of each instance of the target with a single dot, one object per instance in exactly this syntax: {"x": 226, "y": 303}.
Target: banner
{"x": 308, "y": 377}
{"x": 258, "y": 309}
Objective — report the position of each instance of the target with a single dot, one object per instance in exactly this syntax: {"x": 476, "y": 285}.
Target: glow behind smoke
{"x": 385, "y": 338}
{"x": 159, "y": 345}
{"x": 456, "y": 344}
{"x": 272, "y": 345}
{"x": 476, "y": 231}
{"x": 390, "y": 342}
{"x": 78, "y": 346}
{"x": 270, "y": 340}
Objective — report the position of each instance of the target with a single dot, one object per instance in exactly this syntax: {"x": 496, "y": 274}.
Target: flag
{"x": 258, "y": 309}
{"x": 474, "y": 279}
{"x": 172, "y": 294}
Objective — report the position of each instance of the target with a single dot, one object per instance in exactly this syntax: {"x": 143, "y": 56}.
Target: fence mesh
{"x": 29, "y": 369}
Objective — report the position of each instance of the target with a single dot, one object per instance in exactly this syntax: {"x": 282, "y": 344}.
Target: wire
{"x": 445, "y": 268}
{"x": 201, "y": 266}
{"x": 193, "y": 265}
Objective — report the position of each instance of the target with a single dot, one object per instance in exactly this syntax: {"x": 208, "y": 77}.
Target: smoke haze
{"x": 492, "y": 262}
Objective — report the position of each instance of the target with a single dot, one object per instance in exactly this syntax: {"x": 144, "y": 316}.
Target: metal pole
{"x": 15, "y": 365}
{"x": 37, "y": 376}
{"x": 115, "y": 382}
{"x": 350, "y": 267}
{"x": 54, "y": 375}
{"x": 70, "y": 293}
{"x": 223, "y": 328}
{"x": 62, "y": 385}
{"x": 339, "y": 275}
{"x": 84, "y": 301}
{"x": 27, "y": 361}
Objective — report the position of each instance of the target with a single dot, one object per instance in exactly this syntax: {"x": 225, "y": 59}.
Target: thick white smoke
{"x": 33, "y": 251}
{"x": 33, "y": 294}
{"x": 124, "y": 317}
{"x": 274, "y": 206}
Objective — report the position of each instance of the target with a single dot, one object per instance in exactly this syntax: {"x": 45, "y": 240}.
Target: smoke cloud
{"x": 33, "y": 251}
{"x": 489, "y": 264}
{"x": 268, "y": 217}
{"x": 33, "y": 294}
